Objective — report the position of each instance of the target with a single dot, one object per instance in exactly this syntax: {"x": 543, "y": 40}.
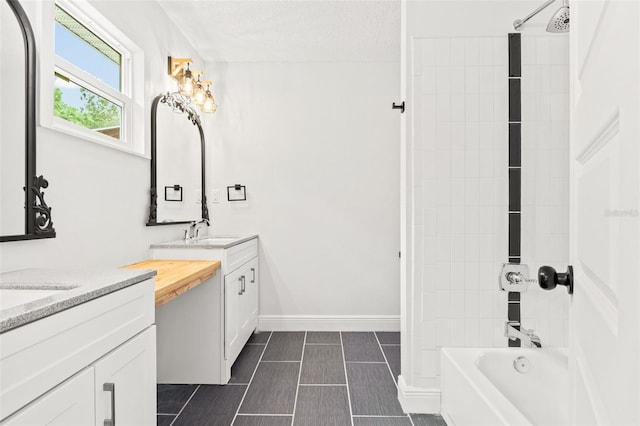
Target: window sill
{"x": 61, "y": 126}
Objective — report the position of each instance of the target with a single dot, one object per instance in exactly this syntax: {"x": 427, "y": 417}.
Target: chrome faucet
{"x": 197, "y": 227}
{"x": 527, "y": 337}
{"x": 194, "y": 229}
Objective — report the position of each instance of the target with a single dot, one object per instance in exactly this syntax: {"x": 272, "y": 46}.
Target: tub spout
{"x": 527, "y": 337}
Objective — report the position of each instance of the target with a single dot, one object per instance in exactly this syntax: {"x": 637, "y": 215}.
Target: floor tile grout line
{"x": 295, "y": 400}
{"x": 391, "y": 372}
{"x": 380, "y": 416}
{"x": 322, "y": 344}
{"x": 262, "y": 415}
{"x": 346, "y": 379}
{"x": 251, "y": 379}
{"x": 322, "y": 384}
{"x": 185, "y": 405}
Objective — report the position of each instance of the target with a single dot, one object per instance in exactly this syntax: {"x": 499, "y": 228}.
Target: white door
{"x": 68, "y": 404}
{"x": 605, "y": 222}
{"x": 125, "y": 383}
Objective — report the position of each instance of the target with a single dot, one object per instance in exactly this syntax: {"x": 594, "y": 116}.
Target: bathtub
{"x": 481, "y": 386}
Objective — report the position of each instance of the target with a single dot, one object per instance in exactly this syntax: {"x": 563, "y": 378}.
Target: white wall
{"x": 99, "y": 196}
{"x": 316, "y": 145}
{"x": 457, "y": 147}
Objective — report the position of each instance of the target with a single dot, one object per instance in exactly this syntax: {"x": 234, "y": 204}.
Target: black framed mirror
{"x": 35, "y": 222}
{"x": 174, "y": 162}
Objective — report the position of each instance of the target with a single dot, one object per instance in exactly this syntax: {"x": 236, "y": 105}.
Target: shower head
{"x": 559, "y": 22}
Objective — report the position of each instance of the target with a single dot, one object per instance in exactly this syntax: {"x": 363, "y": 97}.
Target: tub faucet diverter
{"x": 528, "y": 339}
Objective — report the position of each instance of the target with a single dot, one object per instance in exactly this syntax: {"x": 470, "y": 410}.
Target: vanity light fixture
{"x": 190, "y": 85}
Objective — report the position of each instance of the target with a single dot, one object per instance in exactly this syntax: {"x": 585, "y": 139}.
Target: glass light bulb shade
{"x": 199, "y": 94}
{"x": 187, "y": 84}
{"x": 209, "y": 104}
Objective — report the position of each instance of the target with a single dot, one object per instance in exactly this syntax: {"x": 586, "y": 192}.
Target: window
{"x": 93, "y": 88}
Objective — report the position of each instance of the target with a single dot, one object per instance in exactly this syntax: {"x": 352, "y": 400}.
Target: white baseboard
{"x": 418, "y": 400}
{"x": 329, "y": 323}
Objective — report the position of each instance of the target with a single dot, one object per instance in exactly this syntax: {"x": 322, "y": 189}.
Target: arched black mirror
{"x": 24, "y": 214}
{"x": 177, "y": 162}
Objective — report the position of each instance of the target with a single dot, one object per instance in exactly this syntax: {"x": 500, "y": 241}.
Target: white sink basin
{"x": 10, "y": 297}
{"x": 214, "y": 240}
{"x": 16, "y": 294}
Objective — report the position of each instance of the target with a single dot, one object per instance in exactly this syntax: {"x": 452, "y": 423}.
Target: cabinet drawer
{"x": 64, "y": 343}
{"x": 236, "y": 256}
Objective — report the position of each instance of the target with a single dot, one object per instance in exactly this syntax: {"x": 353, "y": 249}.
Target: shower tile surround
{"x": 468, "y": 156}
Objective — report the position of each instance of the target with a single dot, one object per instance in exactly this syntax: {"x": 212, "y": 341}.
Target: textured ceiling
{"x": 290, "y": 31}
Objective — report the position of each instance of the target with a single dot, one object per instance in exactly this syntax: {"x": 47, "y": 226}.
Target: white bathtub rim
{"x": 501, "y": 407}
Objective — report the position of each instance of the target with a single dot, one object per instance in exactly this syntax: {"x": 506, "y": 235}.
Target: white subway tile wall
{"x": 545, "y": 180}
{"x": 460, "y": 186}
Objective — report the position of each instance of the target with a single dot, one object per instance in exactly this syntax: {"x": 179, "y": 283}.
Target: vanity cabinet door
{"x": 233, "y": 284}
{"x": 241, "y": 298}
{"x": 249, "y": 301}
{"x": 68, "y": 404}
{"x": 125, "y": 383}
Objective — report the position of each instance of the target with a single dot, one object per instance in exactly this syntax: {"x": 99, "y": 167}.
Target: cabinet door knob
{"x": 111, "y": 388}
{"x": 253, "y": 271}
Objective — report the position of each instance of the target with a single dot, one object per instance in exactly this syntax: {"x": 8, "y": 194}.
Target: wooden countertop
{"x": 177, "y": 276}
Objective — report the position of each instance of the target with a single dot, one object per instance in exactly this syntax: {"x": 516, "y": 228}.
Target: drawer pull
{"x": 111, "y": 388}
{"x": 253, "y": 271}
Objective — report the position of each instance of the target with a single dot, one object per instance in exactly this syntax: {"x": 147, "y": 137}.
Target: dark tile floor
{"x": 300, "y": 378}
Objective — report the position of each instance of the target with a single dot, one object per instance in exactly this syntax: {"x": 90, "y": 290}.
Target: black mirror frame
{"x": 174, "y": 101}
{"x": 37, "y": 214}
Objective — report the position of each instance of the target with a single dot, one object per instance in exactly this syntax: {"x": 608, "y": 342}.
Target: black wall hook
{"x": 400, "y": 107}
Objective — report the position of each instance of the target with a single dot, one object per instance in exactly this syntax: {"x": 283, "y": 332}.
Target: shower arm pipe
{"x": 518, "y": 23}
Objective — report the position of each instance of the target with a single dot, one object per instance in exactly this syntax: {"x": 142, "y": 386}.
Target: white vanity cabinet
{"x": 86, "y": 365}
{"x": 209, "y": 325}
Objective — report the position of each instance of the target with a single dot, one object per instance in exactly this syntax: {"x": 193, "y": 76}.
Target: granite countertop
{"x": 30, "y": 294}
{"x": 209, "y": 242}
